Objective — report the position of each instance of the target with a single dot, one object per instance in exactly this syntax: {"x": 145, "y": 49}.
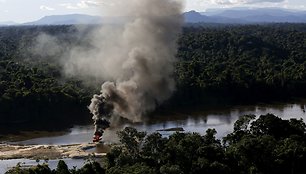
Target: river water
{"x": 222, "y": 119}
{"x": 199, "y": 120}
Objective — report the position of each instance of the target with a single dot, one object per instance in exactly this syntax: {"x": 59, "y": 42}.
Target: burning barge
{"x": 100, "y": 126}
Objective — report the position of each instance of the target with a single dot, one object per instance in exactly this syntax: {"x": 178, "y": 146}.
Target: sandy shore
{"x": 73, "y": 151}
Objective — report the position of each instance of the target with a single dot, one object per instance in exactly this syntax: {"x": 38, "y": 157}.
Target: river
{"x": 222, "y": 119}
{"x": 199, "y": 120}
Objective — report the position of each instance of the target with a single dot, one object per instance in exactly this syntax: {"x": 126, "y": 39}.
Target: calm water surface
{"x": 222, "y": 119}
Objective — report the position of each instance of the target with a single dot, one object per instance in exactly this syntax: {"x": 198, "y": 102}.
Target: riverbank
{"x": 73, "y": 151}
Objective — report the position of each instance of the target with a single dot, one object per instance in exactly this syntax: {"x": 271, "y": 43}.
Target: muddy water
{"x": 222, "y": 119}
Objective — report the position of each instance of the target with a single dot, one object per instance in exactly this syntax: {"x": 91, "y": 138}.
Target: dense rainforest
{"x": 241, "y": 63}
{"x": 33, "y": 91}
{"x": 216, "y": 64}
{"x": 266, "y": 145}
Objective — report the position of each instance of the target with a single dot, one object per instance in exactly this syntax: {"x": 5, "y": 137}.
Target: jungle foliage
{"x": 33, "y": 92}
{"x": 241, "y": 63}
{"x": 62, "y": 168}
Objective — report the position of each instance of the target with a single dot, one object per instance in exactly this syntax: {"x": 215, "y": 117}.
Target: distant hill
{"x": 230, "y": 15}
{"x": 241, "y": 13}
{"x": 7, "y": 23}
{"x": 196, "y": 17}
{"x": 66, "y": 19}
{"x": 267, "y": 15}
{"x": 259, "y": 15}
{"x": 76, "y": 19}
{"x": 279, "y": 19}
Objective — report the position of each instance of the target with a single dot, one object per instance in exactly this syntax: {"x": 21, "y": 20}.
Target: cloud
{"x": 81, "y": 5}
{"x": 43, "y": 7}
{"x": 234, "y": 2}
{"x": 68, "y": 6}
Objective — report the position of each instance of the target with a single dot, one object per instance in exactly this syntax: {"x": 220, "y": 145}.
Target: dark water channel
{"x": 222, "y": 119}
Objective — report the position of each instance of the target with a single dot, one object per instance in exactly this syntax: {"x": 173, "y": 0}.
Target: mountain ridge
{"x": 223, "y": 16}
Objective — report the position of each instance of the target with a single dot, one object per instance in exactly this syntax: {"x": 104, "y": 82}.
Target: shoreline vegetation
{"x": 264, "y": 144}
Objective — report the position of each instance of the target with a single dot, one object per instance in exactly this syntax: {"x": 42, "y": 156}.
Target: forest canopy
{"x": 216, "y": 64}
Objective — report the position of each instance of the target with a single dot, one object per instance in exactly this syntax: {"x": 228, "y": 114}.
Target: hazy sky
{"x": 29, "y": 10}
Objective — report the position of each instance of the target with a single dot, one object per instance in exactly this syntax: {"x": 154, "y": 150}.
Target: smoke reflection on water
{"x": 222, "y": 119}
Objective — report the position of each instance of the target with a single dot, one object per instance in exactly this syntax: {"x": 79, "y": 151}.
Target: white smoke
{"x": 136, "y": 58}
